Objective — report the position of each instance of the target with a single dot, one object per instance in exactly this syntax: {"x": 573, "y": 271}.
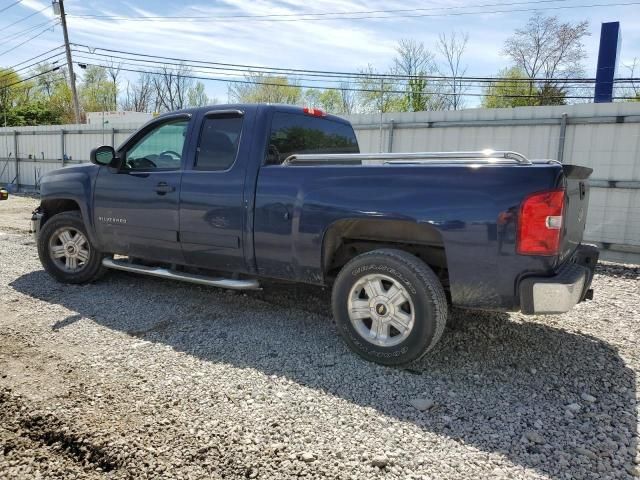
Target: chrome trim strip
{"x": 231, "y": 284}
{"x": 485, "y": 156}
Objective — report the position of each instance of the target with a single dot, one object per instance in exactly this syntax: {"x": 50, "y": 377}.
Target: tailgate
{"x": 576, "y": 204}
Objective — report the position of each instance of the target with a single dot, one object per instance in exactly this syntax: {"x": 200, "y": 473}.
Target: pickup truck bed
{"x": 277, "y": 191}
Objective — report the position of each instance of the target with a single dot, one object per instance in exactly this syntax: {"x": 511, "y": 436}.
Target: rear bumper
{"x": 560, "y": 292}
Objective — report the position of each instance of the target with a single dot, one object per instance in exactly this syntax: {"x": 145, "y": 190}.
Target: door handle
{"x": 163, "y": 187}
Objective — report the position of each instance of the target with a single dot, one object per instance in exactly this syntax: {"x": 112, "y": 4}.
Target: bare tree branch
{"x": 171, "y": 86}
{"x": 452, "y": 49}
{"x": 139, "y": 95}
{"x": 545, "y": 47}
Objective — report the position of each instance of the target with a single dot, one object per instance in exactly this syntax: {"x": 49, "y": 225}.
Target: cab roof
{"x": 253, "y": 106}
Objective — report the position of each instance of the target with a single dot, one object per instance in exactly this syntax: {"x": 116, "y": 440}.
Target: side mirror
{"x": 104, "y": 155}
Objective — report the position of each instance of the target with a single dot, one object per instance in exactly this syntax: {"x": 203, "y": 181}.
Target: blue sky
{"x": 345, "y": 45}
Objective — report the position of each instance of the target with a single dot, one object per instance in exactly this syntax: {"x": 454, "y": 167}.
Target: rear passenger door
{"x": 285, "y": 238}
{"x": 212, "y": 210}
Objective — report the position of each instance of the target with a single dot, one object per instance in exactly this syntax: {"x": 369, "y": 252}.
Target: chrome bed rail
{"x": 484, "y": 156}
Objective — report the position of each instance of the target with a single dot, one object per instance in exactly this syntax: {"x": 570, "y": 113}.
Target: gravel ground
{"x": 135, "y": 377}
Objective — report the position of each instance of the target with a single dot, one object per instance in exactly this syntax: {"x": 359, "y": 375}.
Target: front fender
{"x": 74, "y": 184}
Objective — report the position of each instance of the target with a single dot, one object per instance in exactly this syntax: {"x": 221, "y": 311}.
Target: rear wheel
{"x": 389, "y": 306}
{"x": 66, "y": 252}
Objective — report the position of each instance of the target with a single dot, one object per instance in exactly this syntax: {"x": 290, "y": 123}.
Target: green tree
{"x": 507, "y": 91}
{"x": 328, "y": 100}
{"x": 61, "y": 102}
{"x": 33, "y": 102}
{"x": 96, "y": 90}
{"x": 550, "y": 94}
{"x": 31, "y": 114}
{"x": 8, "y": 91}
{"x": 197, "y": 97}
{"x": 266, "y": 89}
{"x": 48, "y": 81}
{"x": 378, "y": 94}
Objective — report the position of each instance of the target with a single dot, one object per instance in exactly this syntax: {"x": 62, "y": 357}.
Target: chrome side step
{"x": 250, "y": 284}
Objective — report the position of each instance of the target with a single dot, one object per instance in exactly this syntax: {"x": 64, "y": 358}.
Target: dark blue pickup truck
{"x": 230, "y": 194}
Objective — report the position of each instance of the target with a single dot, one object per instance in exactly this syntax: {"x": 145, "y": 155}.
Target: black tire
{"x": 422, "y": 286}
{"x": 90, "y": 270}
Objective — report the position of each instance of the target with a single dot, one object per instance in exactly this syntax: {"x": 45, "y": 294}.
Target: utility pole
{"x": 72, "y": 77}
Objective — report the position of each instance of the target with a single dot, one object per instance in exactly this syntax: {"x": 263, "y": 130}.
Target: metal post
{"x": 390, "y": 139}
{"x": 381, "y": 110}
{"x": 113, "y": 137}
{"x": 62, "y": 146}
{"x": 72, "y": 77}
{"x": 608, "y": 54}
{"x": 563, "y": 133}
{"x": 15, "y": 151}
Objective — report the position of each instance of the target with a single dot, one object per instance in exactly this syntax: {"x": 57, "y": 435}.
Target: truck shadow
{"x": 497, "y": 383}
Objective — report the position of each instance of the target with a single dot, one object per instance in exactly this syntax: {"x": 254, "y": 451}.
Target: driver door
{"x": 136, "y": 208}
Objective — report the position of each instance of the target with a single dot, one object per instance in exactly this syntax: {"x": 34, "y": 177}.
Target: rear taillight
{"x": 314, "y": 112}
{"x": 540, "y": 223}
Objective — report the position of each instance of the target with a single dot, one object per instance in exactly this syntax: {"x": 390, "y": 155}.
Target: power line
{"x": 11, "y": 71}
{"x": 368, "y": 17}
{"x": 322, "y": 73}
{"x": 9, "y": 6}
{"x": 28, "y": 40}
{"x": 30, "y": 78}
{"x": 243, "y": 73}
{"x": 302, "y": 14}
{"x": 33, "y": 58}
{"x": 386, "y": 92}
{"x": 276, "y": 70}
{"x": 27, "y": 17}
{"x": 27, "y": 30}
{"x": 327, "y": 88}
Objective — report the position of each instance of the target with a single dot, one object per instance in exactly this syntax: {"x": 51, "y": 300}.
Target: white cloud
{"x": 325, "y": 45}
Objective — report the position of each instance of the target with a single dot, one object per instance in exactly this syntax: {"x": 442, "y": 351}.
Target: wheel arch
{"x": 50, "y": 206}
{"x": 347, "y": 238}
{"x": 53, "y": 206}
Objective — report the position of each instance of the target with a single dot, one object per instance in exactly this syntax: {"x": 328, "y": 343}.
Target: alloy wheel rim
{"x": 381, "y": 310}
{"x": 69, "y": 249}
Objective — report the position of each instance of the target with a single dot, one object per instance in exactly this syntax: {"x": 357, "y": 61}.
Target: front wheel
{"x": 66, "y": 252}
{"x": 389, "y": 306}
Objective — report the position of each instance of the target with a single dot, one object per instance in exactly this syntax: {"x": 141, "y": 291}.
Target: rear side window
{"x": 292, "y": 133}
{"x": 218, "y": 144}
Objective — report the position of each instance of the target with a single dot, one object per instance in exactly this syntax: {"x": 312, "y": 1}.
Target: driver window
{"x": 161, "y": 148}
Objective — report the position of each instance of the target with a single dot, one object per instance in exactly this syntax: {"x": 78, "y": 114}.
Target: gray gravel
{"x": 136, "y": 377}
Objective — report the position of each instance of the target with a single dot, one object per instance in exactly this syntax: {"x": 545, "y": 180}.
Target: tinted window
{"x": 292, "y": 133}
{"x": 160, "y": 148}
{"x": 219, "y": 140}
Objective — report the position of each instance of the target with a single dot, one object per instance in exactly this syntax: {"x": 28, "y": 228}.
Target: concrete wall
{"x": 605, "y": 137}
{"x": 45, "y": 148}
{"x": 117, "y": 119}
